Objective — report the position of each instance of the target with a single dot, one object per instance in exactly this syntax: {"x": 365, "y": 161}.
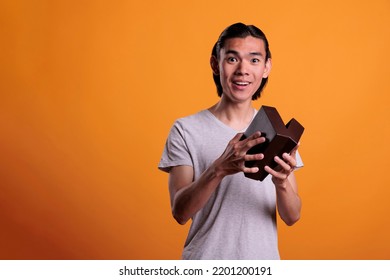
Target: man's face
{"x": 241, "y": 67}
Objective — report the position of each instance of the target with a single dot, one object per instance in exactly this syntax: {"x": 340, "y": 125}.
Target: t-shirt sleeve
{"x": 299, "y": 160}
{"x": 176, "y": 151}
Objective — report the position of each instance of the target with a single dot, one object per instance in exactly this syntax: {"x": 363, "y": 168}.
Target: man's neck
{"x": 236, "y": 115}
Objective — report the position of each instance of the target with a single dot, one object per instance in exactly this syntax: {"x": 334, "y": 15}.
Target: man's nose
{"x": 242, "y": 68}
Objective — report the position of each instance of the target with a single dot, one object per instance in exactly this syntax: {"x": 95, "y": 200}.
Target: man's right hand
{"x": 233, "y": 158}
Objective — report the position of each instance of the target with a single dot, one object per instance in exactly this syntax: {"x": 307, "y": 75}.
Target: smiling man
{"x": 233, "y": 217}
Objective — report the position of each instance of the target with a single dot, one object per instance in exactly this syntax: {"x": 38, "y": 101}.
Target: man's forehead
{"x": 248, "y": 44}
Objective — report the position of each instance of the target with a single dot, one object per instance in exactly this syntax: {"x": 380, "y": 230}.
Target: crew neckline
{"x": 221, "y": 123}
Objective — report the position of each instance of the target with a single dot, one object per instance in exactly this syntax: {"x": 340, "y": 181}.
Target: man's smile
{"x": 241, "y": 83}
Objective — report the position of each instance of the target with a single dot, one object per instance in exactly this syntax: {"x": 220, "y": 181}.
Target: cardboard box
{"x": 280, "y": 139}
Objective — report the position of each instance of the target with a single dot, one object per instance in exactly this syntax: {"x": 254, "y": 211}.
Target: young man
{"x": 233, "y": 217}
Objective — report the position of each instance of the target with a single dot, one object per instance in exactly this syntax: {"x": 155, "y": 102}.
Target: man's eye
{"x": 232, "y": 59}
{"x": 255, "y": 60}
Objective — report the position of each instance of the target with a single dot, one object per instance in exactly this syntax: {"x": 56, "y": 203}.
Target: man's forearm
{"x": 288, "y": 203}
{"x": 190, "y": 199}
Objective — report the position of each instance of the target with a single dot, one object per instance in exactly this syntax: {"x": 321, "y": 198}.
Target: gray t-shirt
{"x": 239, "y": 219}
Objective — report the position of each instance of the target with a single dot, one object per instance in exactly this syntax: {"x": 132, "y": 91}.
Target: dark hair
{"x": 240, "y": 30}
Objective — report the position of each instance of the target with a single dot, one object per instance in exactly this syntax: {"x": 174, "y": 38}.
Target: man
{"x": 233, "y": 217}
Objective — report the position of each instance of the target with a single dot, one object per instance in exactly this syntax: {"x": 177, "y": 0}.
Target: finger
{"x": 254, "y": 157}
{"x": 253, "y": 140}
{"x": 276, "y": 174}
{"x": 255, "y": 135}
{"x": 236, "y": 138}
{"x": 284, "y": 165}
{"x": 290, "y": 160}
{"x": 250, "y": 169}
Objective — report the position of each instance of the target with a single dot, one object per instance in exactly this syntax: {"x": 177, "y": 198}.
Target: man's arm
{"x": 188, "y": 196}
{"x": 288, "y": 201}
{"x": 287, "y": 198}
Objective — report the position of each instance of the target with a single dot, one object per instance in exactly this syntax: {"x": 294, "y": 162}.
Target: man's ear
{"x": 268, "y": 66}
{"x": 214, "y": 65}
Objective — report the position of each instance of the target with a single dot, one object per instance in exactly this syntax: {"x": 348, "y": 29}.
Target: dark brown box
{"x": 280, "y": 139}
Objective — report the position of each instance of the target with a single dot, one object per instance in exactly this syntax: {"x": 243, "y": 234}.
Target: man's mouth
{"x": 241, "y": 84}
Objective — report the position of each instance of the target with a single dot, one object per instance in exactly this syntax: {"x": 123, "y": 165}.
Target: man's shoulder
{"x": 199, "y": 118}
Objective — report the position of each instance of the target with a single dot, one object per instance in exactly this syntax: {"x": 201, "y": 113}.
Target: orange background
{"x": 90, "y": 89}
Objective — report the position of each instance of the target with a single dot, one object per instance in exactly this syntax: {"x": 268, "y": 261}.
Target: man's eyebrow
{"x": 232, "y": 52}
{"x": 256, "y": 53}
{"x": 237, "y": 53}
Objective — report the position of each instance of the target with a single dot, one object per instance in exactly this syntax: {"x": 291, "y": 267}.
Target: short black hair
{"x": 240, "y": 30}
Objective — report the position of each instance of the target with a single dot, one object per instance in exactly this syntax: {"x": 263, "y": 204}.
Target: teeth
{"x": 241, "y": 83}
